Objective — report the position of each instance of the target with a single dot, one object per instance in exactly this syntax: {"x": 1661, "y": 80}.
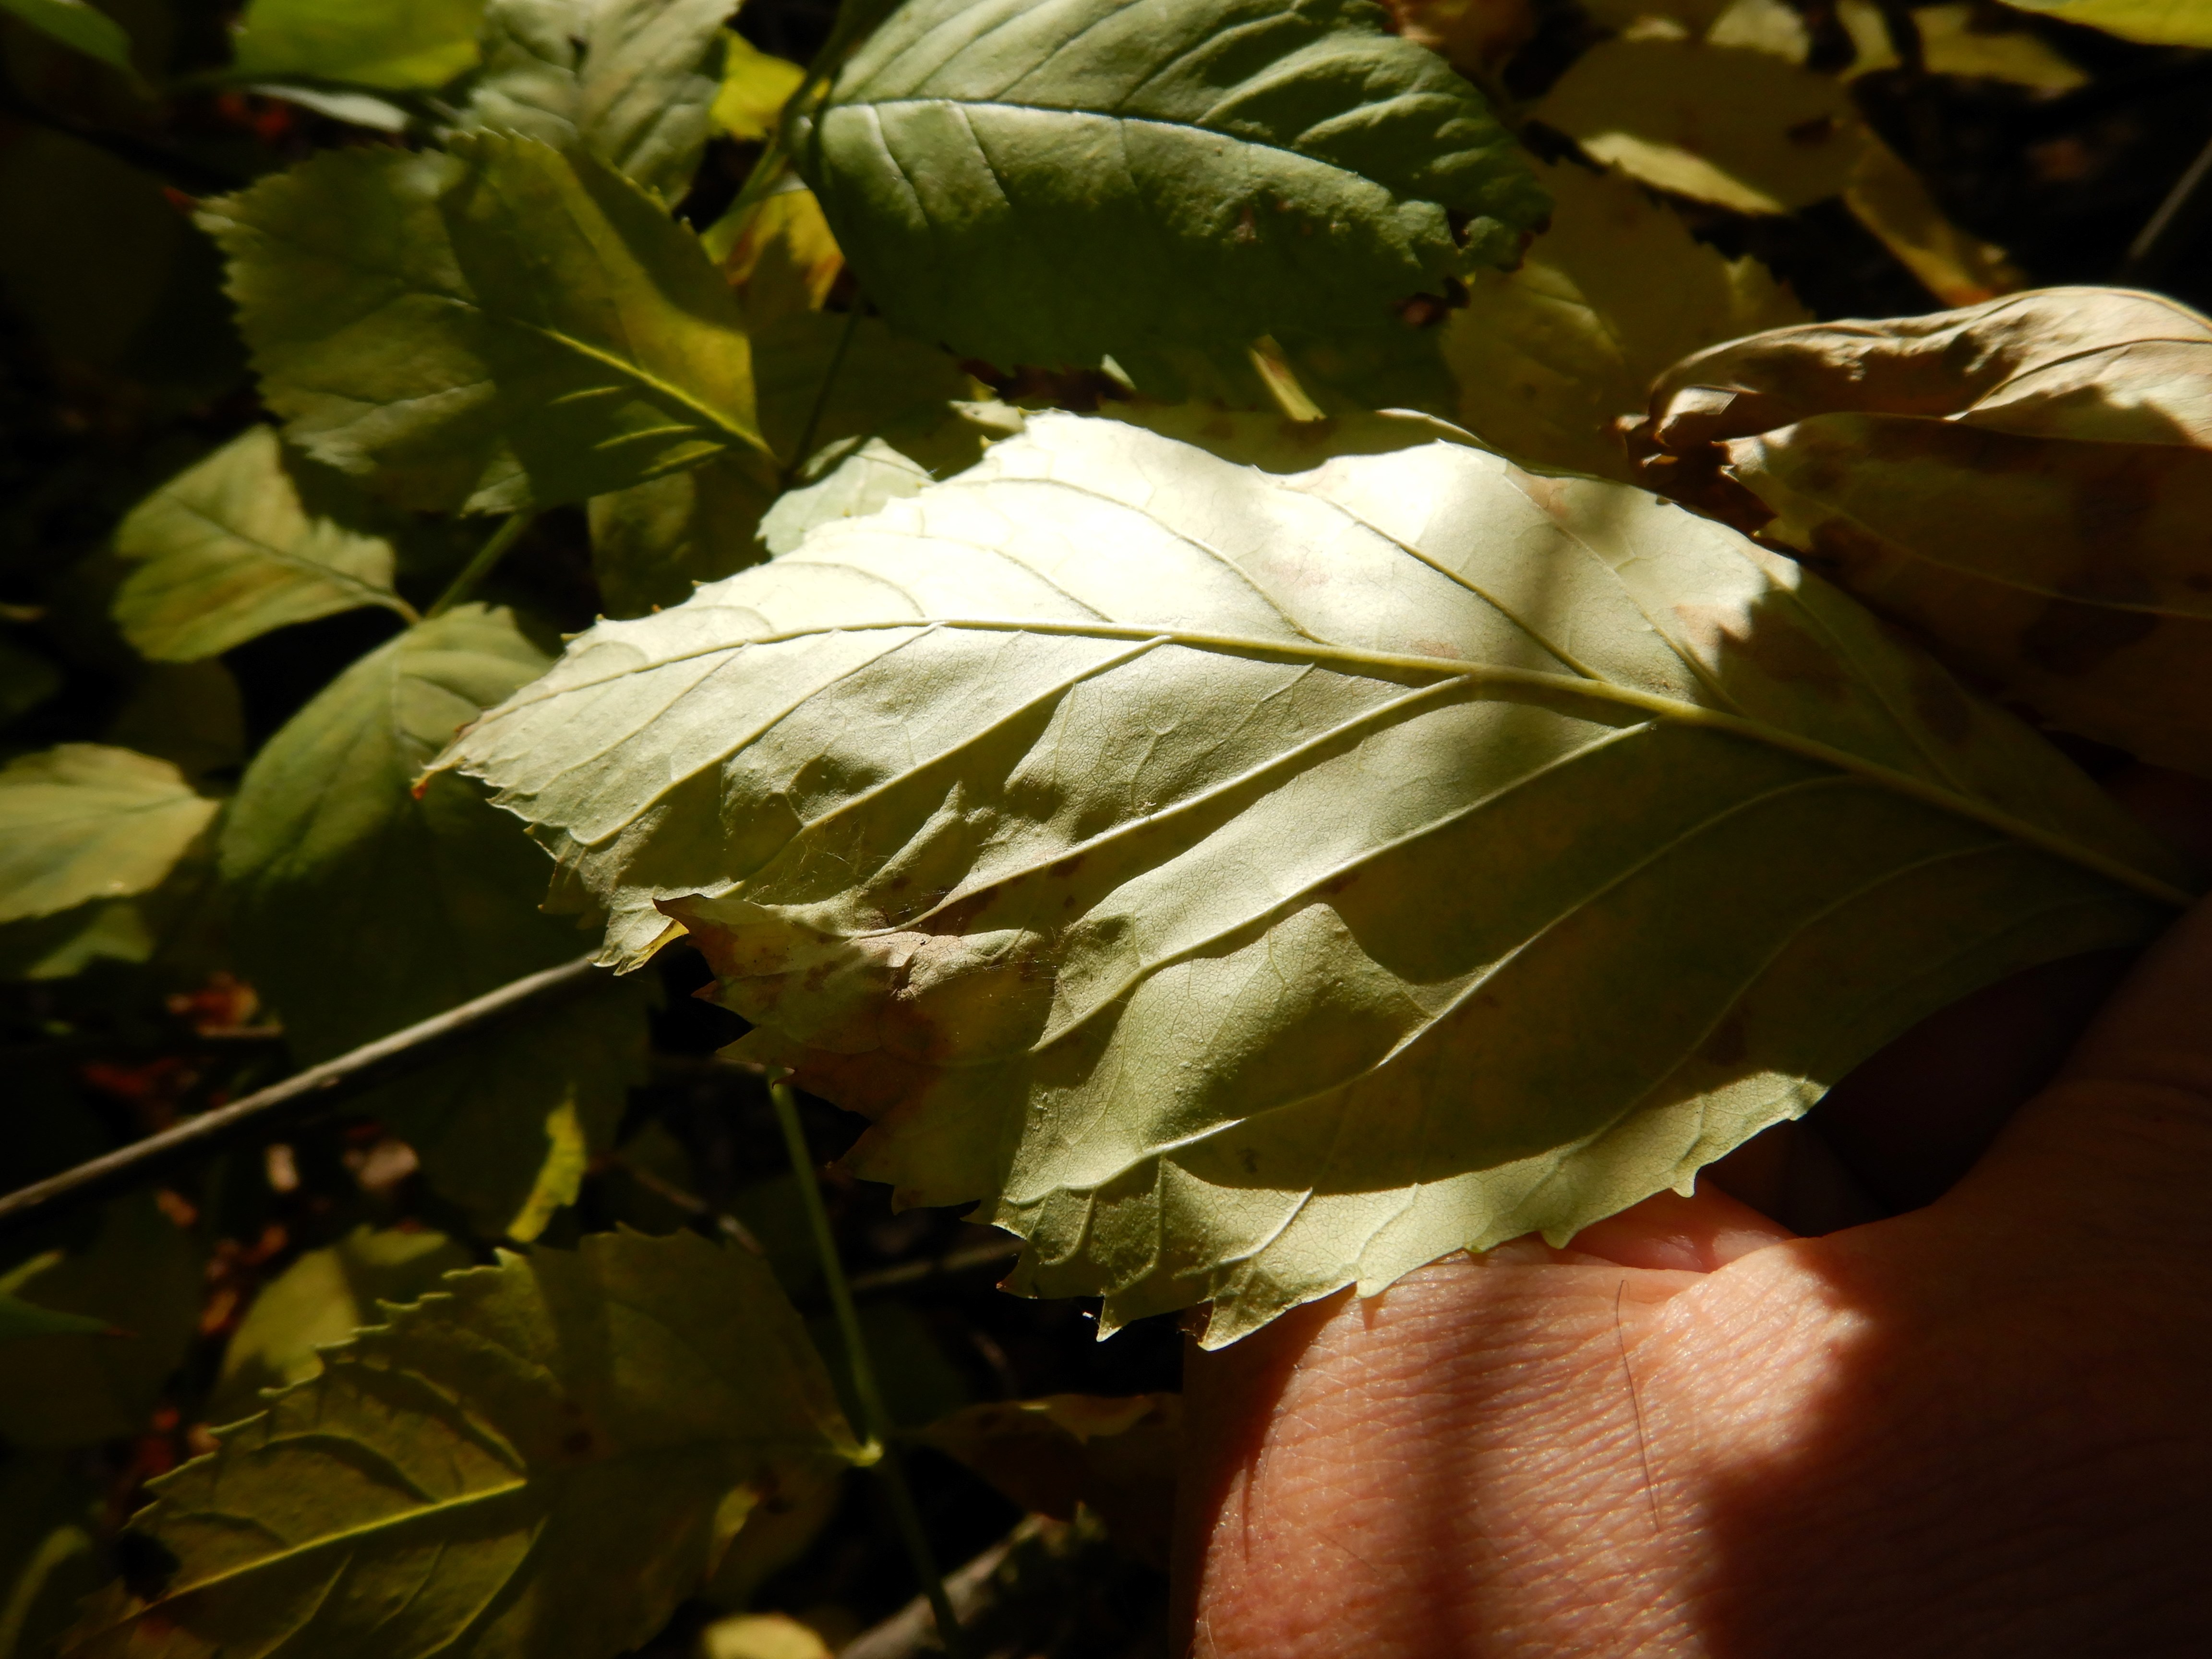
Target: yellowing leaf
{"x": 141, "y": 1277}
{"x": 1615, "y": 291}
{"x": 1889, "y": 200}
{"x": 539, "y": 1461}
{"x": 780, "y": 255}
{"x": 1960, "y": 40}
{"x": 228, "y": 549}
{"x": 323, "y": 1298}
{"x": 395, "y": 45}
{"x": 360, "y": 906}
{"x": 1731, "y": 124}
{"x": 754, "y": 88}
{"x": 503, "y": 327}
{"x": 632, "y": 81}
{"x": 761, "y": 1636}
{"x": 2153, "y": 22}
{"x": 1225, "y": 876}
{"x": 1052, "y": 181}
{"x": 2027, "y": 483}
{"x": 84, "y": 821}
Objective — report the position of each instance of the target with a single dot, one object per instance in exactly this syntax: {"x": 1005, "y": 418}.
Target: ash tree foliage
{"x": 1226, "y": 616}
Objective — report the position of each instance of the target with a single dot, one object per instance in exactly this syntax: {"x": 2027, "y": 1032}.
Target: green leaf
{"x": 1220, "y": 873}
{"x": 20, "y": 1319}
{"x": 49, "y": 1560}
{"x": 1731, "y": 124}
{"x": 500, "y": 328}
{"x": 397, "y": 45}
{"x": 358, "y": 906}
{"x": 2154, "y": 22}
{"x": 633, "y": 81}
{"x": 1050, "y": 183}
{"x": 141, "y": 1276}
{"x": 84, "y": 821}
{"x": 541, "y": 1462}
{"x": 1614, "y": 292}
{"x": 321, "y": 1299}
{"x": 27, "y": 678}
{"x": 77, "y": 25}
{"x": 189, "y": 714}
{"x": 241, "y": 543}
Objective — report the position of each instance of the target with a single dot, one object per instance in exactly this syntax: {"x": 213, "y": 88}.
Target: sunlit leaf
{"x": 2025, "y": 482}
{"x": 86, "y": 821}
{"x": 396, "y": 45}
{"x": 1219, "y": 874}
{"x": 503, "y": 327}
{"x": 779, "y": 255}
{"x": 539, "y": 1461}
{"x": 140, "y": 1278}
{"x": 241, "y": 543}
{"x": 632, "y": 81}
{"x": 2153, "y": 22}
{"x": 1963, "y": 40}
{"x": 1051, "y": 183}
{"x": 761, "y": 1636}
{"x": 75, "y": 23}
{"x": 322, "y": 1298}
{"x": 1614, "y": 292}
{"x": 1731, "y": 124}
{"x": 1890, "y": 199}
{"x": 754, "y": 88}
{"x": 360, "y": 907}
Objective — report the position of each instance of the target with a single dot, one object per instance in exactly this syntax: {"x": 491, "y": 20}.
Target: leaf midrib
{"x": 369, "y": 592}
{"x": 1567, "y": 688}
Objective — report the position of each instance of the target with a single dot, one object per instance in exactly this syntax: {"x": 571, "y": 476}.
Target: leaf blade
{"x": 84, "y": 821}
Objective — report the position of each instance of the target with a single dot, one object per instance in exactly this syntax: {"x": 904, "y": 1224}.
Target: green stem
{"x": 473, "y": 573}
{"x": 875, "y": 1421}
{"x": 800, "y": 450}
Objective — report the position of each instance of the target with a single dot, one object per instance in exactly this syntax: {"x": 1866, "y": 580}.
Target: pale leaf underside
{"x": 1247, "y": 884}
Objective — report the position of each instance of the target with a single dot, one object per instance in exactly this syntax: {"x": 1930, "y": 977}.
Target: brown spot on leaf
{"x": 1065, "y": 867}
{"x": 1249, "y": 1159}
{"x": 2071, "y": 638}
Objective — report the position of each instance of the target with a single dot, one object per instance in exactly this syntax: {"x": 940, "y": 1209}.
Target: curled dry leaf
{"x": 1247, "y": 883}
{"x": 2025, "y": 482}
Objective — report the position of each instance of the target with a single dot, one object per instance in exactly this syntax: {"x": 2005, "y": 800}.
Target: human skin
{"x": 1980, "y": 1427}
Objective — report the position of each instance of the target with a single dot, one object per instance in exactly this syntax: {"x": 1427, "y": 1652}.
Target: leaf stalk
{"x": 486, "y": 559}
{"x": 875, "y": 1421}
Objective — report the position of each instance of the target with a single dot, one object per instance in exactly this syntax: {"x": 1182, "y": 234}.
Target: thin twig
{"x": 875, "y": 1421}
{"x": 308, "y": 1094}
{"x": 988, "y": 1255}
{"x": 805, "y": 444}
{"x": 2142, "y": 252}
{"x": 905, "y": 1634}
{"x": 486, "y": 559}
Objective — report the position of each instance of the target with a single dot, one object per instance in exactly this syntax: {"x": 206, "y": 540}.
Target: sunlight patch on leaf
{"x": 86, "y": 821}
{"x": 395, "y": 46}
{"x": 1220, "y": 873}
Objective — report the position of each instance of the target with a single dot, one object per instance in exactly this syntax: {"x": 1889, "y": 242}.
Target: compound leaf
{"x": 359, "y": 906}
{"x": 1050, "y": 183}
{"x": 242, "y": 543}
{"x": 1222, "y": 874}
{"x": 396, "y": 45}
{"x": 86, "y": 821}
{"x": 501, "y": 327}
{"x": 538, "y": 1462}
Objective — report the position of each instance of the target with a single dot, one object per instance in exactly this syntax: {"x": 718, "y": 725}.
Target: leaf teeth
{"x": 1218, "y": 870}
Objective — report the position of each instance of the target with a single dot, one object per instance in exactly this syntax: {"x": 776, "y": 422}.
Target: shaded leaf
{"x": 1119, "y": 1456}
{"x": 1050, "y": 183}
{"x": 140, "y": 1277}
{"x": 396, "y": 45}
{"x": 27, "y": 680}
{"x": 1731, "y": 124}
{"x": 1889, "y": 199}
{"x": 20, "y": 1319}
{"x": 541, "y": 1460}
{"x": 654, "y": 542}
{"x": 77, "y": 25}
{"x": 2025, "y": 482}
{"x": 503, "y": 327}
{"x": 358, "y": 906}
{"x": 2153, "y": 22}
{"x": 49, "y": 1559}
{"x": 85, "y": 821}
{"x": 188, "y": 713}
{"x": 323, "y": 1298}
{"x": 632, "y": 81}
{"x": 1609, "y": 296}
{"x": 1964, "y": 40}
{"x": 241, "y": 543}
{"x": 754, "y": 88}
{"x": 1218, "y": 873}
